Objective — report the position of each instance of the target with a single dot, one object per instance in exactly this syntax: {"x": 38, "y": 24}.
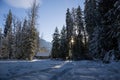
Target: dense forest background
{"x": 90, "y": 34}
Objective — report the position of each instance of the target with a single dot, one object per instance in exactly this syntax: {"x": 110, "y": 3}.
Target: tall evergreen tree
{"x": 112, "y": 29}
{"x": 94, "y": 28}
{"x": 18, "y": 40}
{"x": 89, "y": 14}
{"x": 69, "y": 24}
{"x": 55, "y": 53}
{"x": 69, "y": 30}
{"x": 32, "y": 31}
{"x": 104, "y": 42}
{"x": 1, "y": 43}
{"x": 8, "y": 24}
{"x": 8, "y": 34}
{"x": 117, "y": 22}
{"x": 63, "y": 43}
{"x": 78, "y": 49}
{"x": 95, "y": 42}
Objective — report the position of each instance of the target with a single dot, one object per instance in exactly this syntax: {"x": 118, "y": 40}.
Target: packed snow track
{"x": 58, "y": 70}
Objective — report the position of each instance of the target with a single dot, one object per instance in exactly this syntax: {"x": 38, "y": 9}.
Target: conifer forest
{"x": 89, "y": 34}
{"x": 85, "y": 47}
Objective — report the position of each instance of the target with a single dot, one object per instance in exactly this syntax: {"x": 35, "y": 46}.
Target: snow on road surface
{"x": 58, "y": 70}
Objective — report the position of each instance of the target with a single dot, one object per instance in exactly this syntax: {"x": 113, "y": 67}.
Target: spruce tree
{"x": 117, "y": 23}
{"x": 55, "y": 53}
{"x": 18, "y": 40}
{"x": 1, "y": 55}
{"x": 69, "y": 24}
{"x": 8, "y": 34}
{"x": 89, "y": 14}
{"x": 8, "y": 24}
{"x": 78, "y": 47}
{"x": 105, "y": 42}
{"x": 63, "y": 43}
{"x": 94, "y": 28}
{"x": 32, "y": 32}
{"x": 69, "y": 30}
{"x": 111, "y": 19}
{"x": 95, "y": 42}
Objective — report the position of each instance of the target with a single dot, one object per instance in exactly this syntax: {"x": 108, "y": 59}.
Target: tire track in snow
{"x": 47, "y": 70}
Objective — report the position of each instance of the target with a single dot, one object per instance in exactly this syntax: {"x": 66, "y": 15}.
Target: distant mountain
{"x": 45, "y": 45}
{"x": 45, "y": 49}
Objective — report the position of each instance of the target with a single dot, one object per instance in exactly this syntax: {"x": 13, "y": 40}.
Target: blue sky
{"x": 51, "y": 13}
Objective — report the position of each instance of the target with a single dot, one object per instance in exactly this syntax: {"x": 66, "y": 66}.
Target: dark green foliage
{"x": 56, "y": 45}
{"x": 104, "y": 43}
{"x": 78, "y": 46}
{"x": 79, "y": 20}
{"x": 69, "y": 30}
{"x": 71, "y": 40}
{"x": 8, "y": 24}
{"x": 69, "y": 24}
{"x": 90, "y": 14}
{"x": 63, "y": 44}
{"x": 78, "y": 49}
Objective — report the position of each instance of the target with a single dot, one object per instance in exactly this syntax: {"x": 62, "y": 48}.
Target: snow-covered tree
{"x": 32, "y": 31}
{"x": 105, "y": 41}
{"x": 8, "y": 34}
{"x": 1, "y": 39}
{"x": 18, "y": 39}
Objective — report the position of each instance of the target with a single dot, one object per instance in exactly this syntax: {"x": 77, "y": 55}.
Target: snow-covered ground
{"x": 58, "y": 70}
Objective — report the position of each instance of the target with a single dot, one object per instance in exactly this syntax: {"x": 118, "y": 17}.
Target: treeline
{"x": 94, "y": 34}
{"x": 20, "y": 39}
{"x": 71, "y": 42}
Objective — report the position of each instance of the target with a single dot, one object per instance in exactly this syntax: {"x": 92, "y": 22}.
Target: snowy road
{"x": 58, "y": 70}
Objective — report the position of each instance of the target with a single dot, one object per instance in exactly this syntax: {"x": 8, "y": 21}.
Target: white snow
{"x": 43, "y": 54}
{"x": 58, "y": 70}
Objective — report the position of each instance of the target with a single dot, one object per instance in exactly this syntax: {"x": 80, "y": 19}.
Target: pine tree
{"x": 69, "y": 30}
{"x": 89, "y": 14}
{"x": 32, "y": 43}
{"x": 79, "y": 20}
{"x": 29, "y": 40}
{"x": 56, "y": 44}
{"x": 78, "y": 47}
{"x": 8, "y": 34}
{"x": 117, "y": 24}
{"x": 111, "y": 19}
{"x": 8, "y": 24}
{"x": 63, "y": 43}
{"x": 18, "y": 40}
{"x": 95, "y": 47}
{"x": 69, "y": 24}
{"x": 94, "y": 43}
{"x": 1, "y": 55}
{"x": 104, "y": 42}
{"x": 94, "y": 28}
{"x": 32, "y": 35}
{"x": 92, "y": 25}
